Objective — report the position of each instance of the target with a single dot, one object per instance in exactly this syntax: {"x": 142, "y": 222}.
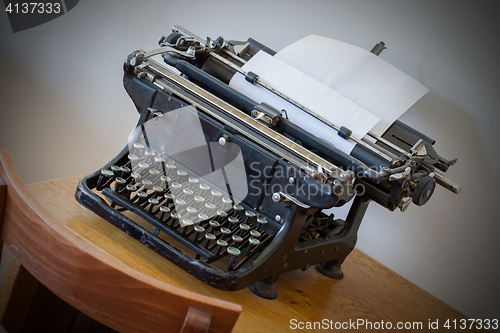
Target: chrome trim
{"x": 165, "y": 79}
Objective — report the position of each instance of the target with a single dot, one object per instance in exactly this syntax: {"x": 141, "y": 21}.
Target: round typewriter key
{"x": 208, "y": 209}
{"x": 222, "y": 245}
{"x": 104, "y": 178}
{"x": 214, "y": 225}
{"x": 136, "y": 177}
{"x": 175, "y": 217}
{"x": 225, "y": 231}
{"x": 226, "y": 203}
{"x": 244, "y": 228}
{"x": 220, "y": 214}
{"x": 133, "y": 158}
{"x": 181, "y": 174}
{"x": 160, "y": 163}
{"x": 237, "y": 240}
{"x": 166, "y": 179}
{"x": 147, "y": 183}
{"x": 193, "y": 180}
{"x": 159, "y": 160}
{"x": 163, "y": 211}
{"x": 149, "y": 155}
{"x": 176, "y": 186}
{"x": 221, "y": 242}
{"x": 186, "y": 223}
{"x": 187, "y": 191}
{"x": 141, "y": 197}
{"x": 203, "y": 217}
{"x": 234, "y": 252}
{"x": 210, "y": 206}
{"x": 191, "y": 210}
{"x": 199, "y": 199}
{"x": 252, "y": 244}
{"x": 209, "y": 237}
{"x": 158, "y": 191}
{"x": 180, "y": 202}
{"x": 125, "y": 172}
{"x": 233, "y": 221}
{"x": 107, "y": 173}
{"x": 138, "y": 146}
{"x": 216, "y": 195}
{"x": 262, "y": 222}
{"x": 130, "y": 189}
{"x": 254, "y": 233}
{"x": 116, "y": 169}
{"x": 171, "y": 166}
{"x": 199, "y": 230}
{"x": 238, "y": 208}
{"x": 170, "y": 197}
{"x": 152, "y": 202}
{"x": 204, "y": 187}
{"x": 253, "y": 241}
{"x": 142, "y": 168}
{"x": 170, "y": 169}
{"x": 154, "y": 172}
{"x": 250, "y": 214}
{"x": 119, "y": 184}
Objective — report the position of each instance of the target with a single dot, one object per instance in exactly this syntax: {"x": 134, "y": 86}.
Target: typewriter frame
{"x": 286, "y": 257}
{"x": 154, "y": 89}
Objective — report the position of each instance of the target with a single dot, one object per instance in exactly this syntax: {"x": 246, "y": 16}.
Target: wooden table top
{"x": 369, "y": 291}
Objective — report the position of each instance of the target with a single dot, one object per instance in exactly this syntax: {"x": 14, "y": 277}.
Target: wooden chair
{"x": 101, "y": 287}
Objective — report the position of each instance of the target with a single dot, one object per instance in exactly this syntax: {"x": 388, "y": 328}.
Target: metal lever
{"x": 141, "y": 56}
{"x": 400, "y": 175}
{"x": 418, "y": 149}
{"x": 404, "y": 205}
{"x": 280, "y": 197}
{"x": 447, "y": 183}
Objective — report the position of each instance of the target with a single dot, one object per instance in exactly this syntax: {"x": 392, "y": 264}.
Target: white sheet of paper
{"x": 309, "y": 92}
{"x": 356, "y": 74}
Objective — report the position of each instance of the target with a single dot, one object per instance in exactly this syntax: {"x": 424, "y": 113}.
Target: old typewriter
{"x": 232, "y": 191}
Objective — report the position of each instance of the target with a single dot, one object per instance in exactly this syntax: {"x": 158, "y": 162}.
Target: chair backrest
{"x": 99, "y": 286}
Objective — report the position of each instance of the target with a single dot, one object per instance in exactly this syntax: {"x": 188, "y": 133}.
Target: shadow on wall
{"x": 452, "y": 241}
{"x": 51, "y": 133}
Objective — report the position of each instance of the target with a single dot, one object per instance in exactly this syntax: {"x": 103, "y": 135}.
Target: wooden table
{"x": 369, "y": 291}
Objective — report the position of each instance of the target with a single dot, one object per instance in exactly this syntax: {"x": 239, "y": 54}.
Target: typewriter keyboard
{"x": 198, "y": 216}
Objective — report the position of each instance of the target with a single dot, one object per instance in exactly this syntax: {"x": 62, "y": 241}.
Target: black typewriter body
{"x": 228, "y": 240}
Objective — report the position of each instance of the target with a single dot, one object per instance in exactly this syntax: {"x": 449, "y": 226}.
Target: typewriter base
{"x": 264, "y": 289}
{"x": 331, "y": 269}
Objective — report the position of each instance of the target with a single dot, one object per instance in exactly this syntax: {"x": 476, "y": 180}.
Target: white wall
{"x": 64, "y": 111}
